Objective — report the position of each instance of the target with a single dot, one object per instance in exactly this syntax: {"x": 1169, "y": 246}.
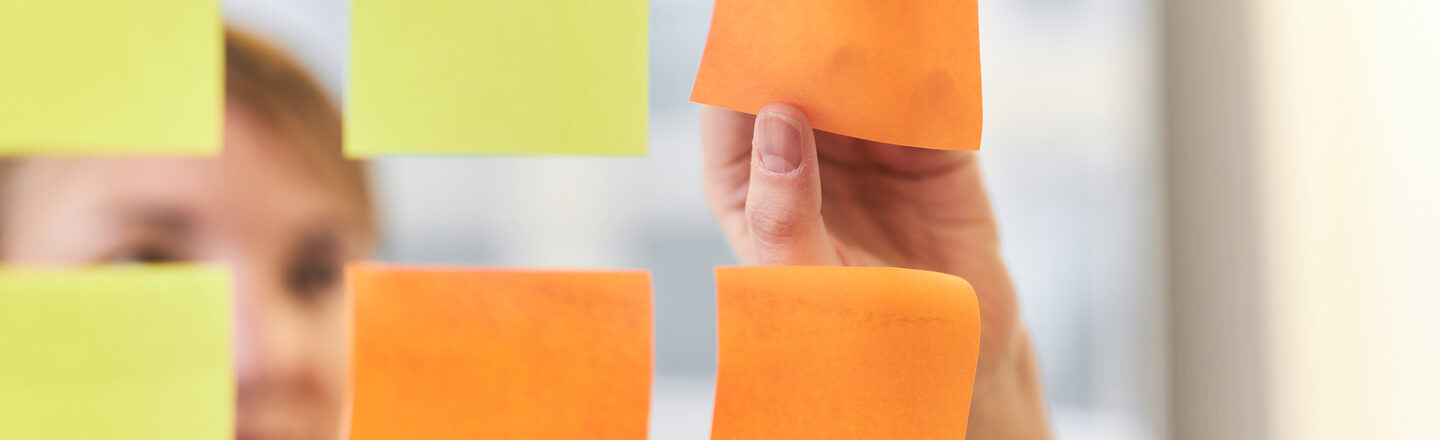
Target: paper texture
{"x": 844, "y": 353}
{"x": 116, "y": 353}
{"x": 899, "y": 72}
{"x": 498, "y": 77}
{"x": 104, "y": 76}
{"x": 455, "y": 353}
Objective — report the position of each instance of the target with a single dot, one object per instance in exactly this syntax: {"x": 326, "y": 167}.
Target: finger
{"x": 782, "y": 207}
{"x": 725, "y": 137}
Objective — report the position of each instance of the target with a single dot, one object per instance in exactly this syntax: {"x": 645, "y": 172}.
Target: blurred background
{"x": 1221, "y": 214}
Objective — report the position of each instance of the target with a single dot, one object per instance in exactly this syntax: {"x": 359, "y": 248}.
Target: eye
{"x": 145, "y": 254}
{"x": 315, "y": 269}
{"x": 150, "y": 234}
{"x": 309, "y": 279}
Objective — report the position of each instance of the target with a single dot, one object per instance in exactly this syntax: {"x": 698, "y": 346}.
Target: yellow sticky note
{"x": 104, "y": 76}
{"x": 497, "y": 77}
{"x": 116, "y": 353}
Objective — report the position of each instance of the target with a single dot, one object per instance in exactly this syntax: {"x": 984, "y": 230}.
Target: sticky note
{"x": 498, "y": 77}
{"x": 105, "y": 76}
{"x": 844, "y": 353}
{"x": 898, "y": 72}
{"x": 116, "y": 353}
{"x": 473, "y": 353}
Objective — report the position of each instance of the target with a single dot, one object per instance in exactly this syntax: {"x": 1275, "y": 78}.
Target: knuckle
{"x": 773, "y": 225}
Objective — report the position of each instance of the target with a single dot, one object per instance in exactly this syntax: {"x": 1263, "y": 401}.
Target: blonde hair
{"x": 284, "y": 98}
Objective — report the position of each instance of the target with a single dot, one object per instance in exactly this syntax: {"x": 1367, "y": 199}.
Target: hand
{"x": 881, "y": 205}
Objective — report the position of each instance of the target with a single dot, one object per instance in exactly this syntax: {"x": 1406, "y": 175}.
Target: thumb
{"x": 782, "y": 208}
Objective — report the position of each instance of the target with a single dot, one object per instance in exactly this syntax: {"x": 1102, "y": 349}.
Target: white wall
{"x": 1304, "y": 215}
{"x": 1352, "y": 215}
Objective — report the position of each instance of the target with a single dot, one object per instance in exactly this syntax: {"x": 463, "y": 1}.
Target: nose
{"x": 244, "y": 338}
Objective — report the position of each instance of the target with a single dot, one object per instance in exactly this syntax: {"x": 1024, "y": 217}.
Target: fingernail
{"x": 778, "y": 138}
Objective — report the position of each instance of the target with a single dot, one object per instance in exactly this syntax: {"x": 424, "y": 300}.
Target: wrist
{"x": 1008, "y": 401}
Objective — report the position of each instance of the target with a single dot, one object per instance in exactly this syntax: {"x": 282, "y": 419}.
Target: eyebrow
{"x": 323, "y": 240}
{"x": 167, "y": 220}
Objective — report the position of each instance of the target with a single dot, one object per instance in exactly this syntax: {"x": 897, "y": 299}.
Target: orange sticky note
{"x": 844, "y": 353}
{"x": 899, "y": 72}
{"x": 457, "y": 353}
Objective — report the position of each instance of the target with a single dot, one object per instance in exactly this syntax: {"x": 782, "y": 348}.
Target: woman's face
{"x": 257, "y": 208}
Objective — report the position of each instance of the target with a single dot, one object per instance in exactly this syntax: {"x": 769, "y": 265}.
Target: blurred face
{"x": 260, "y": 210}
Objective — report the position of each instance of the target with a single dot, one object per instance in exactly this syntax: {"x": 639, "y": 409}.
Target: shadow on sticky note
{"x": 898, "y": 72}
{"x": 444, "y": 353}
{"x": 844, "y": 353}
{"x": 116, "y": 353}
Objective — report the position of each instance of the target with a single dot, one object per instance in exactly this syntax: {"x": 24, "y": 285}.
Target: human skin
{"x": 786, "y": 194}
{"x": 259, "y": 209}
